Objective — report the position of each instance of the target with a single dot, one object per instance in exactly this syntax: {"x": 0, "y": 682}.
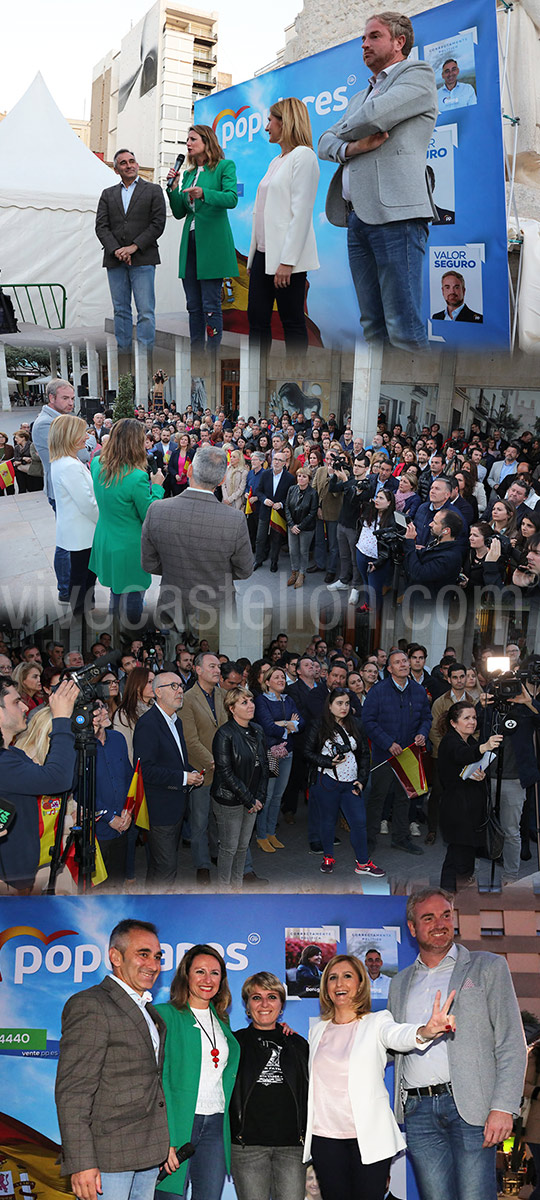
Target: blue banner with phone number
{"x": 465, "y": 155}
{"x": 51, "y": 947}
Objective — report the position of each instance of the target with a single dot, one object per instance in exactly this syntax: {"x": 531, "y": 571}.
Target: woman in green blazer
{"x": 207, "y": 253}
{"x": 199, "y": 1071}
{"x": 123, "y": 493}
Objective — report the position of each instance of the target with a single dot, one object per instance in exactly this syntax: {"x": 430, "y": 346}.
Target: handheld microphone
{"x": 180, "y": 158}
{"x": 182, "y": 1152}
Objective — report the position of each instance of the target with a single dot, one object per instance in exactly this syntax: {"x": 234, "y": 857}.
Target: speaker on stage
{"x": 110, "y": 397}
{"x": 89, "y": 408}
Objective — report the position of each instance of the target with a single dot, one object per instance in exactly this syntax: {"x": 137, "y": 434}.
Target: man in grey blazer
{"x": 109, "y": 1094}
{"x": 380, "y": 191}
{"x": 130, "y": 218}
{"x": 196, "y": 544}
{"x": 458, "y": 1096}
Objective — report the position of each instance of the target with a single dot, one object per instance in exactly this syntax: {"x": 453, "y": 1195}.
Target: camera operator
{"x": 512, "y": 707}
{"x": 486, "y": 559}
{"x": 440, "y": 562}
{"x": 528, "y": 577}
{"x": 355, "y": 489}
{"x": 373, "y": 554}
{"x": 23, "y": 780}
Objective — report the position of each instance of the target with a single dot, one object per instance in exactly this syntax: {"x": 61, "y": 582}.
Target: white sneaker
{"x": 384, "y": 827}
{"x": 414, "y": 829}
{"x": 338, "y": 586}
{"x": 354, "y": 596}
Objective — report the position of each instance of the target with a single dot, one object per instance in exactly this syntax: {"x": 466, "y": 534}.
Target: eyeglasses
{"x": 176, "y": 687}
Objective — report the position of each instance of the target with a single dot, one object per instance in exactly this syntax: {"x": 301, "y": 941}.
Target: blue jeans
{"x": 267, "y": 818}
{"x": 446, "y": 1152}
{"x": 326, "y": 547}
{"x": 235, "y": 827}
{"x": 373, "y": 580}
{"x": 386, "y": 264}
{"x": 203, "y": 828}
{"x": 203, "y": 302}
{"x": 124, "y": 282}
{"x": 129, "y": 1185}
{"x": 62, "y": 563}
{"x": 331, "y": 796}
{"x": 128, "y": 604}
{"x": 206, "y": 1168}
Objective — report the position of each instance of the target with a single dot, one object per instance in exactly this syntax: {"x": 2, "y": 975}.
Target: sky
{"x": 64, "y": 39}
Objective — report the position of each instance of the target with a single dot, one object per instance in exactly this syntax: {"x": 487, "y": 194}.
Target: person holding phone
{"x": 207, "y": 253}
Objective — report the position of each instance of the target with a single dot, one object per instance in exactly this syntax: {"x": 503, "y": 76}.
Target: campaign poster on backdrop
{"x": 378, "y": 950}
{"x": 307, "y": 951}
{"x": 466, "y": 157}
{"x": 51, "y": 947}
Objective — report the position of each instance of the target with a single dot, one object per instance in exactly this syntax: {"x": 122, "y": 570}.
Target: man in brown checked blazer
{"x": 109, "y": 1096}
{"x": 130, "y": 218}
{"x": 202, "y": 714}
{"x": 196, "y": 544}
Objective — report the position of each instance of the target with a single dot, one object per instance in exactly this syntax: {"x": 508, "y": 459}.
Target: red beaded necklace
{"x": 214, "y": 1052}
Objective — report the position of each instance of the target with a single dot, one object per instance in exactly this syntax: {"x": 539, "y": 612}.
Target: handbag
{"x": 275, "y": 754}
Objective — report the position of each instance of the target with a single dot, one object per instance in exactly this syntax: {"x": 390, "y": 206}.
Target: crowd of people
{"x": 233, "y": 752}
{"x": 260, "y": 1103}
{"x": 461, "y": 511}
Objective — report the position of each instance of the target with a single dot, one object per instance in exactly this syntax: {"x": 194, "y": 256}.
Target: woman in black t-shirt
{"x": 269, "y": 1101}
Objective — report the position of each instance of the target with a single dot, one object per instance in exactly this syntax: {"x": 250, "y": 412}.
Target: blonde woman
{"x": 283, "y": 247}
{"x": 351, "y": 1133}
{"x": 36, "y": 743}
{"x": 124, "y": 495}
{"x": 207, "y": 253}
{"x": 234, "y": 484}
{"x": 27, "y": 679}
{"x": 76, "y": 508}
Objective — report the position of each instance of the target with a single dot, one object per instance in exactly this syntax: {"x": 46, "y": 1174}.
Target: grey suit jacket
{"x": 143, "y": 223}
{"x": 487, "y": 1053}
{"x": 390, "y": 183}
{"x": 198, "y": 546}
{"x": 110, "y": 1102}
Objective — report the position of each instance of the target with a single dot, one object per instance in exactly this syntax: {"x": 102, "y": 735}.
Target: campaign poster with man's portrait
{"x": 455, "y": 281}
{"x": 453, "y": 62}
{"x": 377, "y": 949}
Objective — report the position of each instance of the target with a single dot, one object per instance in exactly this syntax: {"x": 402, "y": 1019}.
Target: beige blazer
{"x": 200, "y": 727}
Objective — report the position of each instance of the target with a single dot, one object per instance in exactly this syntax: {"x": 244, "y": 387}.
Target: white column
{"x": 63, "y": 363}
{"x": 112, "y": 363}
{"x": 76, "y": 364}
{"x": 52, "y": 360}
{"x": 4, "y": 390}
{"x": 93, "y": 370}
{"x": 141, "y": 374}
{"x": 182, "y": 372}
{"x": 366, "y": 390}
{"x": 252, "y": 363}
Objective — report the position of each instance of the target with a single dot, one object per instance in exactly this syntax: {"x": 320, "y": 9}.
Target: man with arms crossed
{"x": 380, "y": 191}
{"x": 109, "y": 1095}
{"x": 459, "y": 1095}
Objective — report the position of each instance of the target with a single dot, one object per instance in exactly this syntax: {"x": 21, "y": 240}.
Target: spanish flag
{"x": 409, "y": 768}
{"x": 7, "y": 474}
{"x": 48, "y": 814}
{"x": 136, "y": 799}
{"x": 277, "y": 521}
{"x": 248, "y": 509}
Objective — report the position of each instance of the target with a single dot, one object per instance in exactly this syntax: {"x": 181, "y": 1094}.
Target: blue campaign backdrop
{"x": 471, "y": 237}
{"x": 51, "y": 947}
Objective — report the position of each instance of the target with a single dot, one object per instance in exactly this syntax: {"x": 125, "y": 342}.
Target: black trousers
{"x": 341, "y": 1173}
{"x": 163, "y": 845}
{"x": 114, "y": 853}
{"x": 290, "y": 305}
{"x": 267, "y": 538}
{"x": 383, "y": 781}
{"x": 81, "y": 580}
{"x": 459, "y": 861}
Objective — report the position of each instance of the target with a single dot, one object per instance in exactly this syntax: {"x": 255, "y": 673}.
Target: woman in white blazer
{"x": 76, "y": 507}
{"x": 283, "y": 247}
{"x": 352, "y": 1134}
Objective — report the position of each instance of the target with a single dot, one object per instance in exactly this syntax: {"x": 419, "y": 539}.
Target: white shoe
{"x": 338, "y": 586}
{"x": 414, "y": 829}
{"x": 384, "y": 827}
{"x": 354, "y": 596}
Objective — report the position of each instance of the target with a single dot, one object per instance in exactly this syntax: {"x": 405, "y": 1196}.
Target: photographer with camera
{"x": 377, "y": 530}
{"x": 486, "y": 559}
{"x": 528, "y": 576}
{"x": 439, "y": 563}
{"x": 23, "y": 780}
{"x": 338, "y": 749}
{"x": 512, "y": 707}
{"x": 354, "y": 489}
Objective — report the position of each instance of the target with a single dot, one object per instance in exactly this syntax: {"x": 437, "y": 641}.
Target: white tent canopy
{"x": 51, "y": 183}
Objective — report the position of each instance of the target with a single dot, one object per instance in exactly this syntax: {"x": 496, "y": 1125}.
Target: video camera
{"x": 392, "y": 540}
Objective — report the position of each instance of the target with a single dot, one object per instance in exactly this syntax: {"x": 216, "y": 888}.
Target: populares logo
{"x": 236, "y": 125}
{"x": 30, "y": 931}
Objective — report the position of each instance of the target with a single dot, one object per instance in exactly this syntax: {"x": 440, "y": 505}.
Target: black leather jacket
{"x": 236, "y": 751}
{"x": 323, "y": 761}
{"x": 301, "y": 507}
{"x": 253, "y": 1058}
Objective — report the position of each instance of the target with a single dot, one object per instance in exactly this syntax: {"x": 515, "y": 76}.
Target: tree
{"x": 508, "y": 423}
{"x": 123, "y": 405}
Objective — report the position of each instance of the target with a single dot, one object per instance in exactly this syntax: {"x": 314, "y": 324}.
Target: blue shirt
{"x": 461, "y": 96}
{"x": 127, "y": 193}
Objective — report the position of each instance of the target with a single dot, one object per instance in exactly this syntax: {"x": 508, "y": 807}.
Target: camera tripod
{"x": 82, "y": 835}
